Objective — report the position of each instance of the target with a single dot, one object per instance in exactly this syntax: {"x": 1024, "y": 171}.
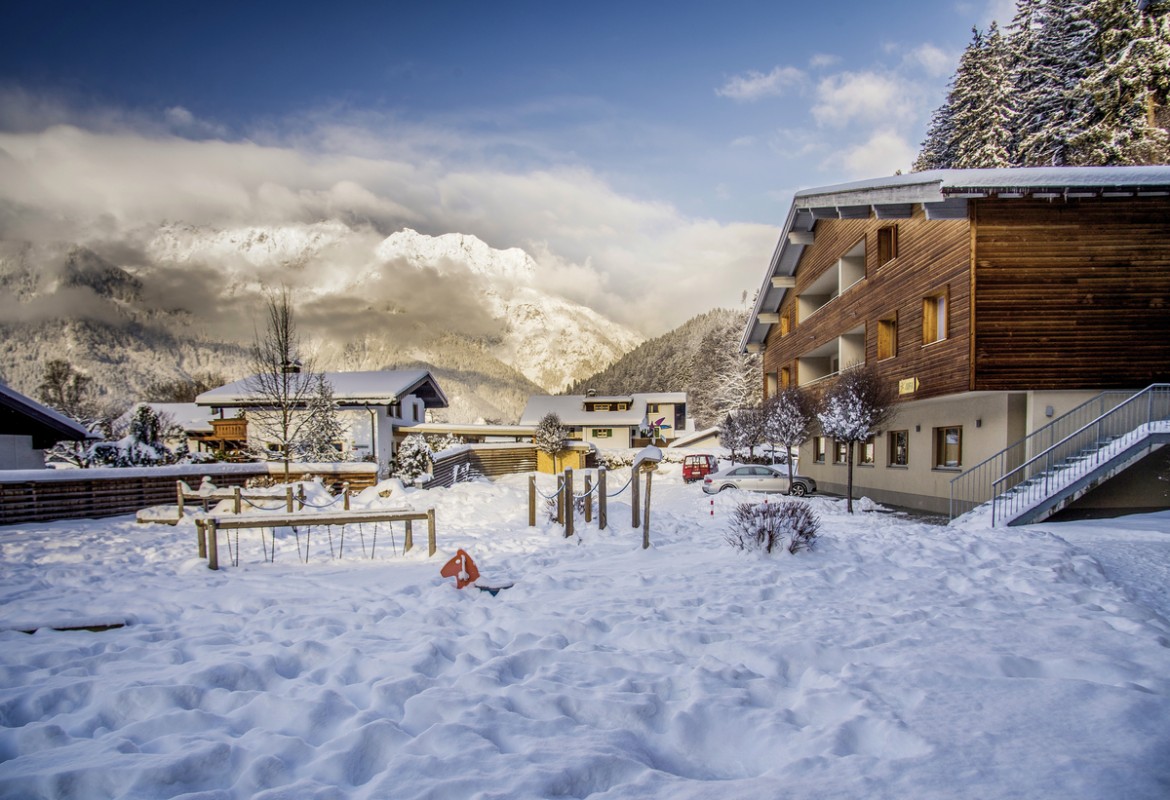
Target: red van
{"x": 697, "y": 467}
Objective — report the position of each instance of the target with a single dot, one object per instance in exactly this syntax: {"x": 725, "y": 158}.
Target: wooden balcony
{"x": 229, "y": 430}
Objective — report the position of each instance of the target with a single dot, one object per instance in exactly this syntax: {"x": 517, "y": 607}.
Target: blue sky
{"x": 593, "y": 136}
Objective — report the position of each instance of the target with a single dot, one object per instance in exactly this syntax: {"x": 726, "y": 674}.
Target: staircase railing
{"x": 1080, "y": 453}
{"x": 974, "y": 487}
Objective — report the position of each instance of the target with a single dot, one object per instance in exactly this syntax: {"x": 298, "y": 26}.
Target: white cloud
{"x": 754, "y": 85}
{"x": 822, "y": 60}
{"x": 883, "y": 153}
{"x": 863, "y": 97}
{"x": 642, "y": 263}
{"x": 935, "y": 61}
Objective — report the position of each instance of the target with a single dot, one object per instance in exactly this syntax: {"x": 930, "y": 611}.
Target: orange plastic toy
{"x": 461, "y": 568}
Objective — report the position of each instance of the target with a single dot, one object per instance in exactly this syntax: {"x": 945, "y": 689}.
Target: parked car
{"x": 697, "y": 467}
{"x": 759, "y": 478}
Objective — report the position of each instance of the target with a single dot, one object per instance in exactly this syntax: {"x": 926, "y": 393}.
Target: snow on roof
{"x": 191, "y": 417}
{"x": 375, "y": 386}
{"x": 571, "y": 408}
{"x": 22, "y": 416}
{"x": 1055, "y": 178}
{"x": 692, "y": 439}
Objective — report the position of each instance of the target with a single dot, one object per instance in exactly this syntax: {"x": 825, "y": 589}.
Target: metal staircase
{"x": 1031, "y": 479}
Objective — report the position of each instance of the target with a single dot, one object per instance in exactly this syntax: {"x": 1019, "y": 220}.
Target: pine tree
{"x": 1130, "y": 72}
{"x": 413, "y": 458}
{"x": 323, "y": 428}
{"x": 938, "y": 150}
{"x": 983, "y": 107}
{"x": 1052, "y": 73}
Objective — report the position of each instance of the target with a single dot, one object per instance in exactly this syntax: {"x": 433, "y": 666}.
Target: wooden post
{"x": 560, "y": 500}
{"x": 531, "y": 501}
{"x": 602, "y": 499}
{"x": 569, "y": 502}
{"x": 588, "y": 498}
{"x": 431, "y": 547}
{"x": 646, "y": 516}
{"x": 635, "y": 498}
{"x": 236, "y": 499}
{"x": 345, "y": 495}
{"x": 301, "y": 497}
{"x": 408, "y": 539}
{"x": 201, "y": 537}
{"x": 212, "y": 545}
{"x": 179, "y": 491}
{"x": 288, "y": 499}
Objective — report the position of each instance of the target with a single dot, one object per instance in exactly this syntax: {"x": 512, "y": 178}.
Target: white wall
{"x": 17, "y": 452}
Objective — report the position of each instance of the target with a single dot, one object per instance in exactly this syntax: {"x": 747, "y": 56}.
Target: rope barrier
{"x": 552, "y": 496}
{"x": 260, "y": 507}
{"x": 592, "y": 489}
{"x": 334, "y": 501}
{"x": 619, "y": 491}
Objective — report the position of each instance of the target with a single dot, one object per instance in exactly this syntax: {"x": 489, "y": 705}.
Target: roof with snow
{"x": 21, "y": 416}
{"x": 191, "y": 417}
{"x": 377, "y": 387}
{"x": 571, "y": 408}
{"x": 943, "y": 195}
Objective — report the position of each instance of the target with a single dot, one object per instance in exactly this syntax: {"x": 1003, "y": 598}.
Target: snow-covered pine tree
{"x": 1024, "y": 76}
{"x": 983, "y": 109}
{"x": 857, "y": 404}
{"x": 938, "y": 149}
{"x": 550, "y": 436}
{"x": 1051, "y": 74}
{"x": 788, "y": 420}
{"x": 413, "y": 458}
{"x": 323, "y": 429}
{"x": 1129, "y": 74}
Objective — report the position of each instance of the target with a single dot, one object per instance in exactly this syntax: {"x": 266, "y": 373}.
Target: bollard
{"x": 212, "y": 544}
{"x": 588, "y": 498}
{"x": 288, "y": 499}
{"x": 531, "y": 501}
{"x": 431, "y": 546}
{"x": 560, "y": 500}
{"x": 635, "y": 499}
{"x": 345, "y": 495}
{"x": 236, "y": 500}
{"x": 646, "y": 516}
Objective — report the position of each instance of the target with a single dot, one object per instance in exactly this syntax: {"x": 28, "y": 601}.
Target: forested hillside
{"x": 700, "y": 357}
{"x": 1070, "y": 83}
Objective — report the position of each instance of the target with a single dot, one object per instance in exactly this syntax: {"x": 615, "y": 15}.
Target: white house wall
{"x": 17, "y": 452}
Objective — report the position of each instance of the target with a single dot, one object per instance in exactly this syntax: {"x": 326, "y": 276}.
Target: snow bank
{"x": 895, "y": 660}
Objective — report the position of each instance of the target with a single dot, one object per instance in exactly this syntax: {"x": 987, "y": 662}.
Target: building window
{"x": 785, "y": 377}
{"x": 601, "y": 406}
{"x": 840, "y": 452}
{"x": 899, "y": 448}
{"x": 948, "y": 447}
{"x": 602, "y": 433}
{"x": 622, "y": 406}
{"x": 934, "y": 318}
{"x": 819, "y": 449}
{"x": 865, "y": 453}
{"x": 887, "y": 243}
{"x": 785, "y": 325}
{"x": 651, "y": 408}
{"x": 887, "y": 338}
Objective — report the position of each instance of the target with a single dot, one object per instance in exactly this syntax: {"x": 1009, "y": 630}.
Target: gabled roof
{"x": 943, "y": 194}
{"x": 378, "y": 387}
{"x": 20, "y": 416}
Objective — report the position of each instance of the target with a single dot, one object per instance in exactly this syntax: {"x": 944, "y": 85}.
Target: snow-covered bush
{"x": 440, "y": 442}
{"x": 413, "y": 458}
{"x": 767, "y": 526}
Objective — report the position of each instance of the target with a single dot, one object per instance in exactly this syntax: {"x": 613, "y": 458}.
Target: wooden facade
{"x": 1071, "y": 294}
{"x": 1041, "y": 294}
{"x": 932, "y": 257}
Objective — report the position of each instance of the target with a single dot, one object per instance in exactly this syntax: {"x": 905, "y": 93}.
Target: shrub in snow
{"x": 550, "y": 436}
{"x": 413, "y": 458}
{"x": 438, "y": 443}
{"x": 768, "y": 526}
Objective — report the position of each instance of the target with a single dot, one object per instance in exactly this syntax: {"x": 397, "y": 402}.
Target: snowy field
{"x": 896, "y": 660}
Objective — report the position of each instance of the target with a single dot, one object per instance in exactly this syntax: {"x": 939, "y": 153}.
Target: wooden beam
{"x": 783, "y": 281}
{"x": 765, "y": 318}
{"x": 894, "y": 211}
{"x": 824, "y": 213}
{"x": 800, "y": 237}
{"x": 753, "y": 347}
{"x": 853, "y": 212}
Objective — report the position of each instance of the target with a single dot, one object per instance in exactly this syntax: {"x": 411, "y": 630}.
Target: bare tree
{"x": 856, "y": 406}
{"x": 283, "y": 379}
{"x": 70, "y": 392}
{"x": 788, "y": 420}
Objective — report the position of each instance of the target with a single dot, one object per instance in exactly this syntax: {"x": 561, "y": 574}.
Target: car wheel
{"x": 726, "y": 486}
{"x": 798, "y": 490}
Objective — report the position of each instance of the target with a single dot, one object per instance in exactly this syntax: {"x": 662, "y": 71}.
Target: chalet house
{"x": 374, "y": 408}
{"x": 27, "y": 429}
{"x": 614, "y": 422}
{"x": 997, "y": 301}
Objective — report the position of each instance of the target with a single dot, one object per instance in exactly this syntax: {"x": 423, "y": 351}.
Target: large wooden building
{"x": 996, "y": 301}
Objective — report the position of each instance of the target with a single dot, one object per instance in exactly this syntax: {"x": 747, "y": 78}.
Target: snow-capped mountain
{"x": 191, "y": 295}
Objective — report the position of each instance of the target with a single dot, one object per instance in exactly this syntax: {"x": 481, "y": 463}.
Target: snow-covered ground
{"x": 896, "y": 660}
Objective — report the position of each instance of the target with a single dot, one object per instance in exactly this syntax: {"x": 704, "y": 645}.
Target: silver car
{"x": 759, "y": 478}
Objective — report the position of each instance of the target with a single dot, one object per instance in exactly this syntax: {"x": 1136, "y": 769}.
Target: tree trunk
{"x": 849, "y": 480}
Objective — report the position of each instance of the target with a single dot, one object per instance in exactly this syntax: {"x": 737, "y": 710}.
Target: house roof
{"x": 378, "y": 387}
{"x": 571, "y": 408}
{"x": 191, "y": 417}
{"x": 943, "y": 194}
{"x": 21, "y": 416}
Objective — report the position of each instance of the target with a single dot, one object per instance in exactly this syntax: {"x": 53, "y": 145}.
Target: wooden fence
{"x": 481, "y": 460}
{"x": 48, "y": 495}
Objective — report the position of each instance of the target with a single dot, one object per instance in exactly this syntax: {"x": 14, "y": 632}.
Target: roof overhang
{"x": 20, "y": 416}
